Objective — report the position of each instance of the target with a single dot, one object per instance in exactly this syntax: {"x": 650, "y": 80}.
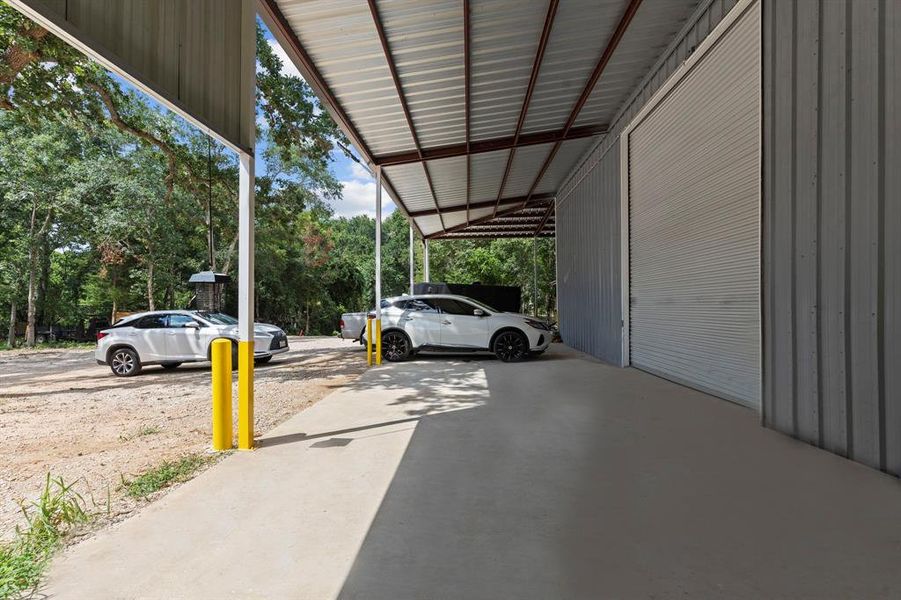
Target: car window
{"x": 454, "y": 307}
{"x": 151, "y": 322}
{"x": 218, "y": 318}
{"x": 418, "y": 306}
{"x": 180, "y": 321}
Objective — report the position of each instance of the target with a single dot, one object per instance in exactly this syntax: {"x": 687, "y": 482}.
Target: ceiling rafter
{"x": 289, "y": 41}
{"x": 392, "y": 67}
{"x": 538, "y": 200}
{"x": 533, "y": 79}
{"x": 612, "y": 43}
{"x": 492, "y": 145}
{"x": 501, "y": 213}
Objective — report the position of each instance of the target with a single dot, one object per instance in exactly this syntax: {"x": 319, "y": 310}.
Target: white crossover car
{"x": 172, "y": 337}
{"x": 458, "y": 324}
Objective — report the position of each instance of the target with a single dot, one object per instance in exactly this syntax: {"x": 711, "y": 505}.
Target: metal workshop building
{"x": 721, "y": 176}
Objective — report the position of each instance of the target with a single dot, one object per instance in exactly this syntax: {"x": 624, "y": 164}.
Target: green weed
{"x": 49, "y": 520}
{"x": 163, "y": 475}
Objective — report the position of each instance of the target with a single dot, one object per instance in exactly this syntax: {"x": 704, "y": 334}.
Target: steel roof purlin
{"x": 386, "y": 48}
{"x": 618, "y": 34}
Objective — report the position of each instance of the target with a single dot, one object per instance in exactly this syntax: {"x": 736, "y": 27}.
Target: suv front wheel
{"x": 511, "y": 346}
{"x": 124, "y": 362}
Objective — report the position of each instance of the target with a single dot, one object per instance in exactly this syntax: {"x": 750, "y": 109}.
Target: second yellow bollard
{"x": 378, "y": 341}
{"x": 221, "y": 355}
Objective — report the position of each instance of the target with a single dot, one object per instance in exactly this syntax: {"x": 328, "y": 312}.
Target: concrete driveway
{"x": 558, "y": 478}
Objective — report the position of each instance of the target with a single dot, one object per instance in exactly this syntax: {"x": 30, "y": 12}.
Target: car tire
{"x": 396, "y": 346}
{"x": 262, "y": 360}
{"x": 511, "y": 346}
{"x": 124, "y": 362}
{"x": 170, "y": 365}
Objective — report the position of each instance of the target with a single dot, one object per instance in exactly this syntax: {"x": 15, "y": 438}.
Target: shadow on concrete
{"x": 573, "y": 479}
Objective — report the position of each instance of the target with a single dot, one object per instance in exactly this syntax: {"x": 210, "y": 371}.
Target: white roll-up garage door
{"x": 694, "y": 210}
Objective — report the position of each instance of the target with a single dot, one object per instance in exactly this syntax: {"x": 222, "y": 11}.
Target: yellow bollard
{"x": 245, "y": 395}
{"x": 368, "y": 341}
{"x": 378, "y": 341}
{"x": 221, "y": 355}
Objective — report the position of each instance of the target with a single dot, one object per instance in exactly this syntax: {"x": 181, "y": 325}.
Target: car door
{"x": 149, "y": 338}
{"x": 184, "y": 340}
{"x": 422, "y": 322}
{"x": 460, "y": 327}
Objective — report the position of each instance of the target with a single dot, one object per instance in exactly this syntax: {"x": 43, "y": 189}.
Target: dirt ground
{"x": 61, "y": 413}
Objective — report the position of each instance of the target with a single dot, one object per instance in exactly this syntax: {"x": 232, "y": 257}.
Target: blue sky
{"x": 359, "y": 186}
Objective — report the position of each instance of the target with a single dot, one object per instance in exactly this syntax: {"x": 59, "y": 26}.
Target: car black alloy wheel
{"x": 124, "y": 362}
{"x": 511, "y": 346}
{"x": 395, "y": 346}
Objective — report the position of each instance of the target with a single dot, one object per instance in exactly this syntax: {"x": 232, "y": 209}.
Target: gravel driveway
{"x": 61, "y": 413}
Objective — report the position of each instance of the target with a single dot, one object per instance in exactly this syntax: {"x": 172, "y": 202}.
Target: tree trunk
{"x": 151, "y": 305}
{"x": 115, "y": 294}
{"x": 11, "y": 335}
{"x": 306, "y": 329}
{"x": 29, "y": 320}
{"x": 112, "y": 315}
{"x": 40, "y": 300}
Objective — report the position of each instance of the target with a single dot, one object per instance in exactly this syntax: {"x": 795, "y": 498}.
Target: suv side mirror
{"x": 192, "y": 325}
{"x": 478, "y": 312}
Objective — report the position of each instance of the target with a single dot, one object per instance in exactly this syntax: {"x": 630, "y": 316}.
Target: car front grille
{"x": 277, "y": 340}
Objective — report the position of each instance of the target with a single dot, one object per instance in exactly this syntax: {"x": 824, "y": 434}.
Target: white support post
{"x": 412, "y": 262}
{"x": 535, "y": 276}
{"x": 378, "y": 265}
{"x": 245, "y": 248}
{"x": 425, "y": 260}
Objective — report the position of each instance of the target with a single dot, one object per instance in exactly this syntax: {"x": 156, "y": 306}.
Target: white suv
{"x": 458, "y": 324}
{"x": 172, "y": 337}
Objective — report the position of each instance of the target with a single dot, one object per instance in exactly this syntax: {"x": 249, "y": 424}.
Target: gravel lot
{"x": 61, "y": 413}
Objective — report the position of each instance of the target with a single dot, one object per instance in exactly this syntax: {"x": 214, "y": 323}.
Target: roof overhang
{"x": 474, "y": 111}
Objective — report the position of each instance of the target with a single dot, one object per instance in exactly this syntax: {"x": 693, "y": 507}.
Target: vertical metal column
{"x": 245, "y": 301}
{"x": 425, "y": 260}
{"x": 246, "y": 246}
{"x": 535, "y": 276}
{"x": 412, "y": 261}
{"x": 378, "y": 265}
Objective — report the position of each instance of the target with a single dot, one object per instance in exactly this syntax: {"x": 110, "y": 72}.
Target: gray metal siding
{"x": 588, "y": 262}
{"x": 694, "y": 222}
{"x": 832, "y": 224}
{"x": 596, "y": 180}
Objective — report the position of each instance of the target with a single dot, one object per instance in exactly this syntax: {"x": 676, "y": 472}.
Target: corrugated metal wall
{"x": 589, "y": 300}
{"x": 588, "y": 262}
{"x": 832, "y": 225}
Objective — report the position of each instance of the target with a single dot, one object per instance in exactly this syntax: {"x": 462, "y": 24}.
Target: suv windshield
{"x": 217, "y": 318}
{"x": 482, "y": 305}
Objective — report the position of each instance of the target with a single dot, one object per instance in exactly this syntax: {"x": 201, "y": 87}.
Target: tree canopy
{"x": 107, "y": 201}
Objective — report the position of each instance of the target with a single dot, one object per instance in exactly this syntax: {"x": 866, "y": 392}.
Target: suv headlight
{"x": 538, "y": 324}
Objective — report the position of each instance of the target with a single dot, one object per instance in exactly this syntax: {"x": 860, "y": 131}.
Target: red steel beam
{"x": 612, "y": 43}
{"x": 492, "y": 145}
{"x": 489, "y": 235}
{"x": 533, "y": 79}
{"x": 283, "y": 31}
{"x": 538, "y": 200}
{"x": 389, "y": 58}
{"x": 501, "y": 213}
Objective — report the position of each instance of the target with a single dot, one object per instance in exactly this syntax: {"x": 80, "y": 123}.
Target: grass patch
{"x": 164, "y": 475}
{"x": 146, "y": 430}
{"x": 49, "y": 345}
{"x": 49, "y": 520}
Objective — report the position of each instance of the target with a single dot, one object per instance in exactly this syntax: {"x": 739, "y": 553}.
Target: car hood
{"x": 257, "y": 328}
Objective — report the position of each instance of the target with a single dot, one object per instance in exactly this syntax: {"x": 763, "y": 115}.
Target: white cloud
{"x": 358, "y": 197}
